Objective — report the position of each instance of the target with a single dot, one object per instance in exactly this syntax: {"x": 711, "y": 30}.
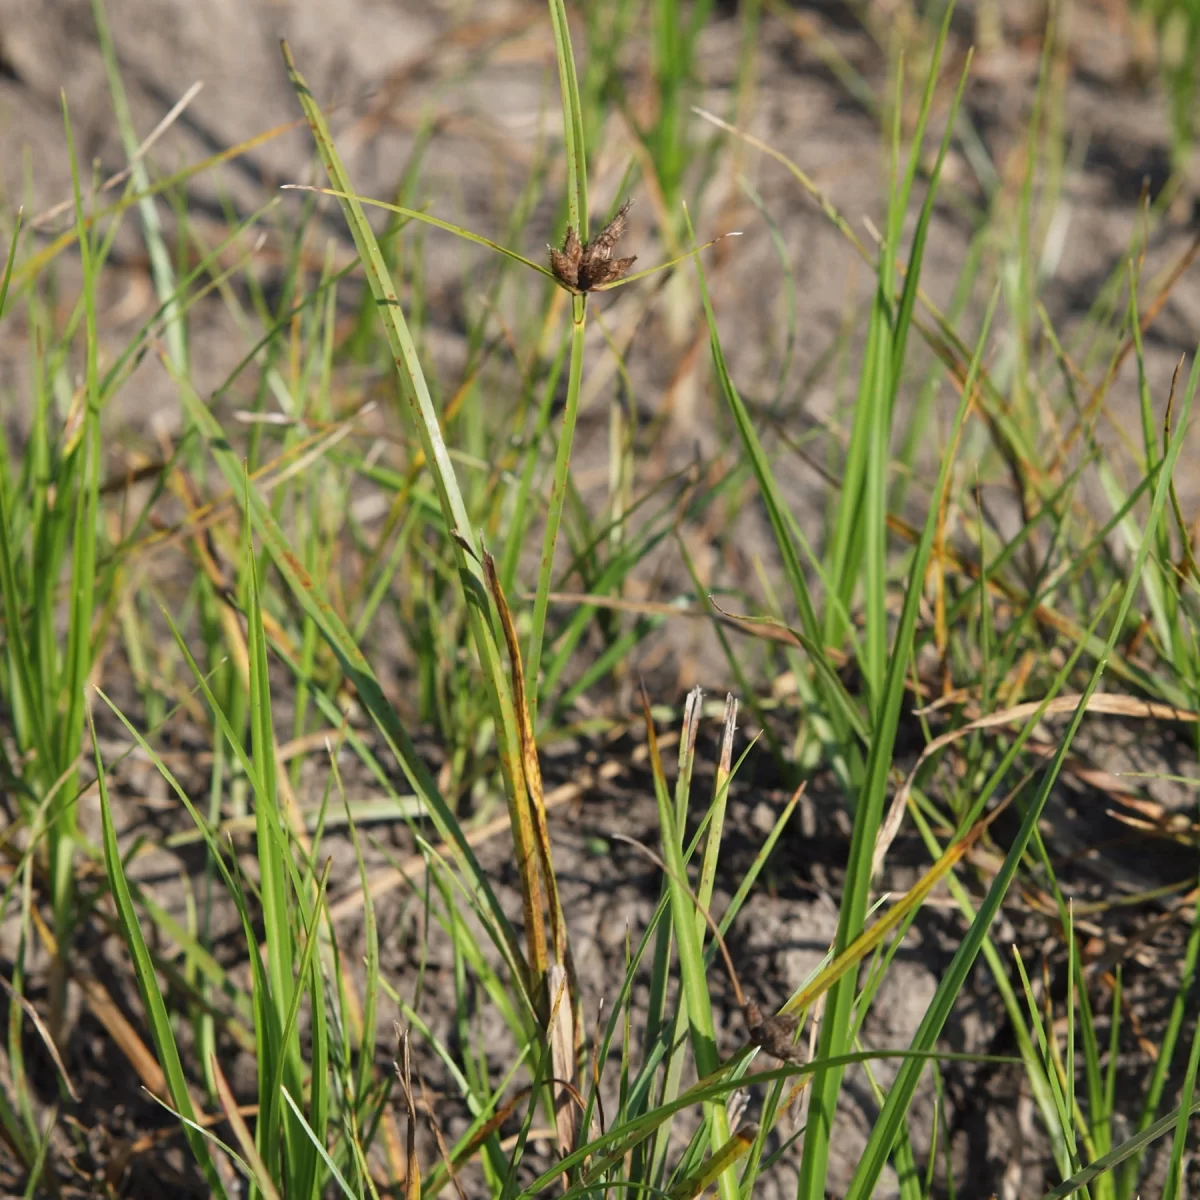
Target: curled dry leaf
{"x": 1109, "y": 705}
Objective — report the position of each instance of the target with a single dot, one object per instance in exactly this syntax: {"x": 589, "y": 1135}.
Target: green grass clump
{"x": 496, "y": 585}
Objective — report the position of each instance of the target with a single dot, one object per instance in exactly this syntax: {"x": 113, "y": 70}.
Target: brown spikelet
{"x": 565, "y": 262}
{"x": 773, "y": 1034}
{"x": 582, "y": 268}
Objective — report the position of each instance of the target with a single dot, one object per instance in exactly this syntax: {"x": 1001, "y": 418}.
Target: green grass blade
{"x": 1134, "y": 1146}
{"x": 1175, "y": 1169}
{"x": 85, "y": 468}
{"x": 577, "y": 217}
{"x": 160, "y": 257}
{"x": 318, "y": 1146}
{"x": 273, "y": 853}
{"x": 143, "y": 967}
{"x": 353, "y": 663}
{"x": 887, "y": 1126}
{"x": 832, "y": 729}
{"x": 573, "y": 132}
{"x": 29, "y": 709}
{"x": 416, "y": 215}
{"x": 869, "y": 809}
{"x": 692, "y": 969}
{"x": 467, "y": 549}
{"x": 1127, "y": 1177}
{"x": 558, "y": 492}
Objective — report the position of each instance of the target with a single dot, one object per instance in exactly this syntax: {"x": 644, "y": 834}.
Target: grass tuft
{"x": 400, "y": 639}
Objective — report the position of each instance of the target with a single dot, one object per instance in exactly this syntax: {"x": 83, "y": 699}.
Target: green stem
{"x": 558, "y": 492}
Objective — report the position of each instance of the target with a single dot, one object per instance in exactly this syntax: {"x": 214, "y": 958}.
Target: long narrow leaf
{"x": 466, "y": 544}
{"x": 143, "y": 966}
{"x": 896, "y": 1106}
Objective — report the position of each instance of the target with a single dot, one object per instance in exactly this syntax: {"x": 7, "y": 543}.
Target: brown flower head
{"x": 773, "y": 1034}
{"x": 581, "y": 267}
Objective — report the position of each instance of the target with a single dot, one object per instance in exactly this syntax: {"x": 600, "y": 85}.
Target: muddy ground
{"x": 487, "y": 70}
